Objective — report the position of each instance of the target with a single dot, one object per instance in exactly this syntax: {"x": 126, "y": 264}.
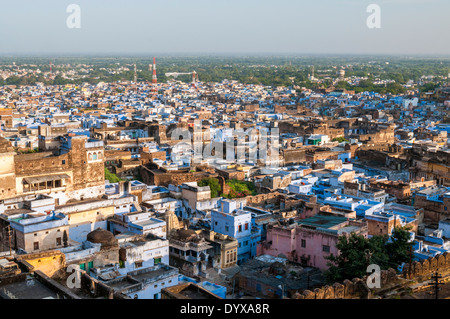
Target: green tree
{"x": 356, "y": 253}
{"x": 399, "y": 248}
{"x": 340, "y": 139}
{"x": 112, "y": 178}
{"x": 213, "y": 184}
{"x": 240, "y": 188}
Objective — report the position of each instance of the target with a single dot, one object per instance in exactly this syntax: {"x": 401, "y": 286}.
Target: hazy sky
{"x": 225, "y": 26}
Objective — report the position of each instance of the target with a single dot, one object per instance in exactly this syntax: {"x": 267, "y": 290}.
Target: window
{"x": 240, "y": 228}
{"x": 326, "y": 248}
{"x": 246, "y": 226}
{"x": 156, "y": 296}
{"x": 58, "y": 241}
{"x": 227, "y": 228}
{"x": 303, "y": 243}
{"x": 138, "y": 264}
{"x": 157, "y": 260}
{"x": 36, "y": 245}
{"x": 63, "y": 162}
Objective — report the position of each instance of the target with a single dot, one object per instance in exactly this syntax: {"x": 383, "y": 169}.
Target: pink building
{"x": 279, "y": 240}
{"x": 309, "y": 241}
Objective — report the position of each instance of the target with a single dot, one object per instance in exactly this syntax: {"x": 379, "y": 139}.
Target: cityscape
{"x": 224, "y": 177}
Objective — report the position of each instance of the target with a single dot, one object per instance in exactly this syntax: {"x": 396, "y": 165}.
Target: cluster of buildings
{"x": 345, "y": 163}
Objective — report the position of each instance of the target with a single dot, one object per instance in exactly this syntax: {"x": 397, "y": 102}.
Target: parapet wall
{"x": 349, "y": 289}
{"x": 423, "y": 269}
{"x": 358, "y": 289}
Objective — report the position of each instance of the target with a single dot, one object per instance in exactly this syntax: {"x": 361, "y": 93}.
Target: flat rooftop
{"x": 27, "y": 289}
{"x": 121, "y": 284}
{"x": 150, "y": 274}
{"x": 190, "y": 291}
{"x": 148, "y": 222}
{"x": 320, "y": 221}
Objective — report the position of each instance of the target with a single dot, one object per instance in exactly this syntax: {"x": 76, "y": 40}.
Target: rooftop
{"x": 320, "y": 221}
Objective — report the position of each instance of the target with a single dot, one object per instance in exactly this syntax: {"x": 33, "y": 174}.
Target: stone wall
{"x": 263, "y": 199}
{"x": 423, "y": 269}
{"x": 159, "y": 177}
{"x": 348, "y": 289}
{"x": 49, "y": 263}
{"x": 29, "y": 164}
{"x": 358, "y": 289}
{"x": 433, "y": 210}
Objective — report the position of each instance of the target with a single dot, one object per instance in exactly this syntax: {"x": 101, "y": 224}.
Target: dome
{"x": 104, "y": 237}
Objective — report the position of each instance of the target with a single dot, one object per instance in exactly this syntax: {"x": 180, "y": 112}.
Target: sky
{"x": 411, "y": 27}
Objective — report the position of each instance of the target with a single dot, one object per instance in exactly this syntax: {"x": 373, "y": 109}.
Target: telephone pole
{"x": 436, "y": 278}
{"x": 307, "y": 278}
{"x": 9, "y": 237}
{"x": 410, "y": 261}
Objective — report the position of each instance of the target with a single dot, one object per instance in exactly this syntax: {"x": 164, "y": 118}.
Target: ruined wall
{"x": 313, "y": 156}
{"x": 263, "y": 199}
{"x": 98, "y": 289}
{"x": 292, "y": 127}
{"x": 399, "y": 190}
{"x": 233, "y": 174}
{"x": 159, "y": 177}
{"x": 149, "y": 157}
{"x": 47, "y": 262}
